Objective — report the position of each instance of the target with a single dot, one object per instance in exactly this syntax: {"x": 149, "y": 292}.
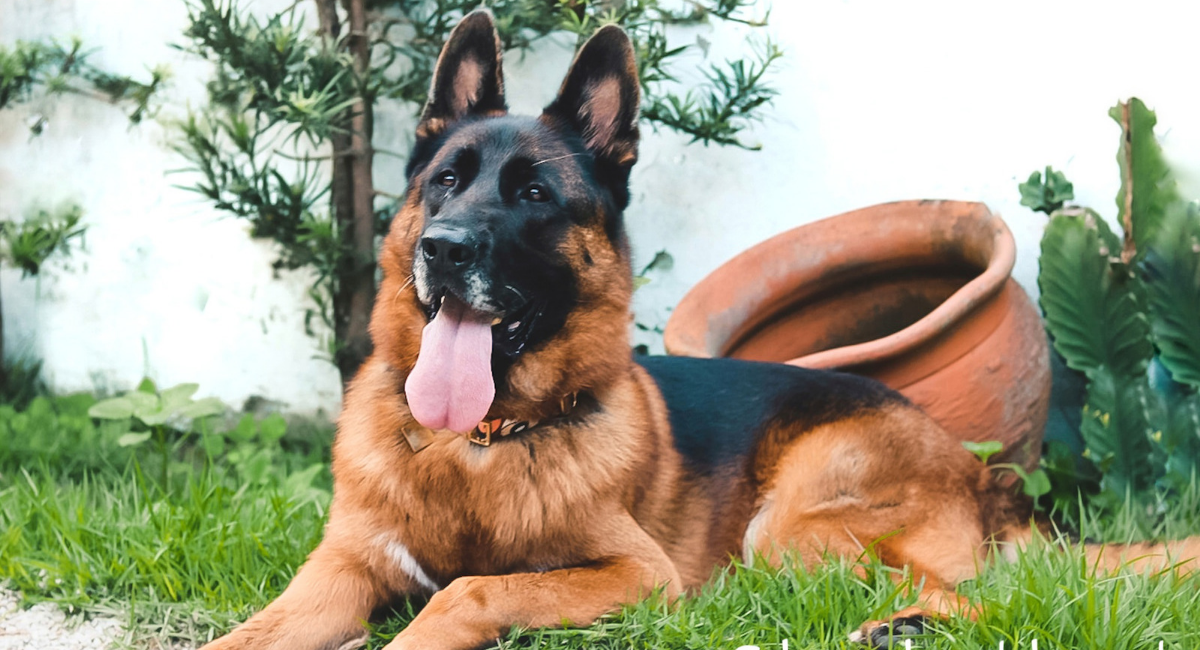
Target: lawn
{"x": 86, "y": 522}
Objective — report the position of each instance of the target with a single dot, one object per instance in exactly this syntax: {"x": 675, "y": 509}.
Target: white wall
{"x": 880, "y": 100}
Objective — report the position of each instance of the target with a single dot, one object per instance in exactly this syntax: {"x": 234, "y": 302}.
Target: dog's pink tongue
{"x": 451, "y": 386}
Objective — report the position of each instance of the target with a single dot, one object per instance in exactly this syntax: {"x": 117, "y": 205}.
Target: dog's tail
{"x": 1014, "y": 524}
{"x": 1025, "y": 525}
{"x": 1181, "y": 556}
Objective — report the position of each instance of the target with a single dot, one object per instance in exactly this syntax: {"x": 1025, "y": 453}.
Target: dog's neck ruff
{"x": 419, "y": 437}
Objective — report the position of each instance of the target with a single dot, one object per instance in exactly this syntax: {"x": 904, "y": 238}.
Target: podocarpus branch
{"x": 46, "y": 66}
{"x": 279, "y": 84}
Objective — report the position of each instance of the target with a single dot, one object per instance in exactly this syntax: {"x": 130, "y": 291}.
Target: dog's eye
{"x": 535, "y": 193}
{"x": 447, "y": 179}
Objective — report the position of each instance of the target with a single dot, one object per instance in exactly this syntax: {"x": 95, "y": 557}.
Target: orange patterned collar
{"x": 482, "y": 434}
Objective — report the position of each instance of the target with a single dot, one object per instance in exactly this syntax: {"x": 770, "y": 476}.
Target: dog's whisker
{"x": 558, "y": 158}
{"x": 514, "y": 290}
{"x": 407, "y": 283}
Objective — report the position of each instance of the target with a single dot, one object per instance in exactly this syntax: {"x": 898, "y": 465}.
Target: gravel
{"x": 45, "y": 627}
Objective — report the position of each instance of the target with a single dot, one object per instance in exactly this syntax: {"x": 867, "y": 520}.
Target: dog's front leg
{"x": 475, "y": 611}
{"x": 324, "y": 607}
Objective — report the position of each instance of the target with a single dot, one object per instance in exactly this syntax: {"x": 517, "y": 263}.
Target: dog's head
{"x": 506, "y": 274}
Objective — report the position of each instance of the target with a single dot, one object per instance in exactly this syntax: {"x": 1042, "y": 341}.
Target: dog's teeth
{"x": 513, "y": 327}
{"x": 496, "y": 320}
{"x": 441, "y": 300}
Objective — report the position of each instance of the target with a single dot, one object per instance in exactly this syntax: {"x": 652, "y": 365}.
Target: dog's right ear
{"x": 467, "y": 80}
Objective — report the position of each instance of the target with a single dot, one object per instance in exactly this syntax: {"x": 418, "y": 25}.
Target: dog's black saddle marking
{"x": 719, "y": 407}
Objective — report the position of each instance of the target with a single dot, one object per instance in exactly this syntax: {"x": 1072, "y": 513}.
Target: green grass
{"x": 1047, "y": 596}
{"x": 85, "y": 523}
{"x": 1051, "y": 594}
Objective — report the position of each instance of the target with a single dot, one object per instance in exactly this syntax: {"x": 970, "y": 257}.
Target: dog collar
{"x": 482, "y": 434}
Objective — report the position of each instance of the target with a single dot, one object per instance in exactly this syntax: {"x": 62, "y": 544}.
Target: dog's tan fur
{"x": 591, "y": 512}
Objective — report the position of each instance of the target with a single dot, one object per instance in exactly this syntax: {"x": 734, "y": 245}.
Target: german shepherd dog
{"x": 503, "y": 452}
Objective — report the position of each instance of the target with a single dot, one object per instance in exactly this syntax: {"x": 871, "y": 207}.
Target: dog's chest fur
{"x": 522, "y": 504}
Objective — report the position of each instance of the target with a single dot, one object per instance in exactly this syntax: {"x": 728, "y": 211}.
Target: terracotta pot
{"x": 916, "y": 294}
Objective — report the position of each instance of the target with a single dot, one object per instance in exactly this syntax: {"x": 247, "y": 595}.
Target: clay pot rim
{"x": 975, "y": 292}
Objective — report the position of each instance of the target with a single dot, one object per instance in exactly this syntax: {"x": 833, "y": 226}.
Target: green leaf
{"x": 1069, "y": 476}
{"x": 1091, "y": 302}
{"x": 213, "y": 444}
{"x": 1147, "y": 188}
{"x": 202, "y": 408}
{"x": 245, "y": 429}
{"x": 161, "y": 416}
{"x": 256, "y": 466}
{"x": 984, "y": 450}
{"x": 1179, "y": 442}
{"x": 130, "y": 439}
{"x": 1034, "y": 484}
{"x": 1172, "y": 268}
{"x": 147, "y": 386}
{"x": 1037, "y": 483}
{"x": 143, "y": 403}
{"x": 272, "y": 428}
{"x": 1049, "y": 196}
{"x": 117, "y": 408}
{"x": 173, "y": 403}
{"x": 1183, "y": 428}
{"x": 302, "y": 480}
{"x": 1117, "y": 431}
{"x": 176, "y": 397}
{"x": 663, "y": 261}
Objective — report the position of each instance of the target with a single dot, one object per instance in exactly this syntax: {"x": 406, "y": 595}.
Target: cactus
{"x": 1117, "y": 307}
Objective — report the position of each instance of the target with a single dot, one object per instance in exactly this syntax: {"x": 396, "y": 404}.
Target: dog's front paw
{"x": 890, "y": 633}
{"x": 423, "y": 637}
{"x": 241, "y": 639}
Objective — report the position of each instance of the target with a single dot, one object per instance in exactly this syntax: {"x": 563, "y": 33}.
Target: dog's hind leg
{"x": 888, "y": 485}
{"x": 935, "y": 559}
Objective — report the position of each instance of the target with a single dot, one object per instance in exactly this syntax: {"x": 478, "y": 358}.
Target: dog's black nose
{"x": 448, "y": 249}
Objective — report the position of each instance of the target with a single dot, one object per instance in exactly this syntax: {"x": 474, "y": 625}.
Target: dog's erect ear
{"x": 467, "y": 79}
{"x": 600, "y": 97}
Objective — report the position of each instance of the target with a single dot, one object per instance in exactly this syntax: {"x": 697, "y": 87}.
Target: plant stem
{"x": 160, "y": 432}
{"x": 3, "y": 365}
{"x": 348, "y": 149}
{"x": 360, "y": 280}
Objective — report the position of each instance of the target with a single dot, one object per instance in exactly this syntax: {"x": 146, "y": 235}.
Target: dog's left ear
{"x": 600, "y": 97}
{"x": 467, "y": 79}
